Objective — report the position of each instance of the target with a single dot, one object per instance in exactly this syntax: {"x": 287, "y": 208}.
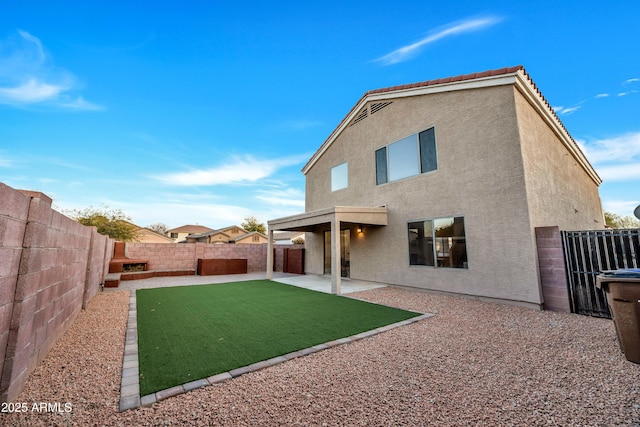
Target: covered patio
{"x": 335, "y": 217}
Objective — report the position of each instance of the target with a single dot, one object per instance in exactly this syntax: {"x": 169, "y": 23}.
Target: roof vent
{"x": 377, "y": 107}
{"x": 360, "y": 117}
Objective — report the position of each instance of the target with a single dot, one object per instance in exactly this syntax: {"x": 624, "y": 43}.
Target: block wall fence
{"x": 50, "y": 268}
{"x": 184, "y": 256}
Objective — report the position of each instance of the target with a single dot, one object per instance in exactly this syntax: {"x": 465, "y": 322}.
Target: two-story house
{"x": 440, "y": 185}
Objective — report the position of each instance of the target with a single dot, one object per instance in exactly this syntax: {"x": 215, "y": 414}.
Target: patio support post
{"x": 336, "y": 273}
{"x": 270, "y": 254}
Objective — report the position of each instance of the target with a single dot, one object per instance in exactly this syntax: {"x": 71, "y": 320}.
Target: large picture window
{"x": 438, "y": 243}
{"x": 407, "y": 157}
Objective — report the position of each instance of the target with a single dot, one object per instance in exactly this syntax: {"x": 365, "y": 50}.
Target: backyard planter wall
{"x": 50, "y": 267}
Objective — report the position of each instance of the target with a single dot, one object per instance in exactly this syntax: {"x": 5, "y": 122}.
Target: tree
{"x": 252, "y": 224}
{"x": 159, "y": 228}
{"x": 111, "y": 222}
{"x": 618, "y": 221}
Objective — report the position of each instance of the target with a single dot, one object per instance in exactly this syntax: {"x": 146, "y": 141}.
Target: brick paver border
{"x": 130, "y": 386}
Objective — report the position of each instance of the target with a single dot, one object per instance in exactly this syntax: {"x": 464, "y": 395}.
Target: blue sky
{"x": 205, "y": 112}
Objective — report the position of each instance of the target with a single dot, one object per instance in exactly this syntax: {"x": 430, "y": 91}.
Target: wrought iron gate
{"x": 586, "y": 254}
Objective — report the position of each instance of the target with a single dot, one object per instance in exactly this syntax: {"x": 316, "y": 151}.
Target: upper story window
{"x": 407, "y": 157}
{"x": 339, "y": 177}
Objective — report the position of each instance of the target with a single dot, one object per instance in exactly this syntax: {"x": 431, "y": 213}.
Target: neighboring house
{"x": 288, "y": 237}
{"x": 440, "y": 185}
{"x": 231, "y": 234}
{"x": 251, "y": 238}
{"x": 180, "y": 234}
{"x": 146, "y": 235}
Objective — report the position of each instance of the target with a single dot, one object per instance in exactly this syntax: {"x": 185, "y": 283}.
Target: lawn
{"x": 191, "y": 332}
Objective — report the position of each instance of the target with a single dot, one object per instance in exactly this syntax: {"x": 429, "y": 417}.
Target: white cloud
{"x": 407, "y": 52}
{"x": 80, "y": 104}
{"x": 239, "y": 170}
{"x": 28, "y": 76}
{"x": 620, "y": 207}
{"x": 566, "y": 110}
{"x": 601, "y": 95}
{"x": 618, "y": 149}
{"x": 632, "y": 80}
{"x": 627, "y": 93}
{"x": 287, "y": 197}
{"x": 31, "y": 91}
{"x": 620, "y": 172}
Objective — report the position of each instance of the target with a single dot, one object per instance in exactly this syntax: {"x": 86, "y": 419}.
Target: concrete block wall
{"x": 183, "y": 256}
{"x": 50, "y": 266}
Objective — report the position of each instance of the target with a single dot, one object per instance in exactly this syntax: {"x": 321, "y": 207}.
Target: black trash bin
{"x": 622, "y": 288}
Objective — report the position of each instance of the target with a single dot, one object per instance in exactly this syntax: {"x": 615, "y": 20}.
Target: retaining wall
{"x": 50, "y": 267}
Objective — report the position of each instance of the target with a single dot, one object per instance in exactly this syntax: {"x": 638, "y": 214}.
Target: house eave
{"x": 309, "y": 220}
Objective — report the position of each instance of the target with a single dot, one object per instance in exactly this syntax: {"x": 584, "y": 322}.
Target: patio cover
{"x": 335, "y": 216}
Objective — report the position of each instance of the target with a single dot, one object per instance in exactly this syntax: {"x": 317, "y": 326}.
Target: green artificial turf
{"x": 192, "y": 332}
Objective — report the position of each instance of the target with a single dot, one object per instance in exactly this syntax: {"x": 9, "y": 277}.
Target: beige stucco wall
{"x": 560, "y": 192}
{"x": 149, "y": 237}
{"x": 480, "y": 176}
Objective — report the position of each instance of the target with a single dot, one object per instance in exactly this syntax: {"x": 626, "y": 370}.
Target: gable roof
{"x": 244, "y": 236}
{"x": 516, "y": 76}
{"x": 220, "y": 231}
{"x": 190, "y": 229}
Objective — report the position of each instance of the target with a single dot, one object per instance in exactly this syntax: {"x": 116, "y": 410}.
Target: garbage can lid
{"x": 628, "y": 272}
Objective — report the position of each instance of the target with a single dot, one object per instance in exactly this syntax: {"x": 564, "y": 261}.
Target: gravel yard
{"x": 474, "y": 363}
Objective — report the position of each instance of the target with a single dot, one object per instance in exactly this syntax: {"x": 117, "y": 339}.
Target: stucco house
{"x": 146, "y": 235}
{"x": 288, "y": 237}
{"x": 179, "y": 234}
{"x": 231, "y": 234}
{"x": 440, "y": 185}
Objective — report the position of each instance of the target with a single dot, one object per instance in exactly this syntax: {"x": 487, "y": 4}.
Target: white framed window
{"x": 339, "y": 177}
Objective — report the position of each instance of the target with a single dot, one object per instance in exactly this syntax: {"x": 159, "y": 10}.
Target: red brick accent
{"x": 553, "y": 276}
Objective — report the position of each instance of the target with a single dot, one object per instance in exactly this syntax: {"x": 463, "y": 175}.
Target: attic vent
{"x": 377, "y": 107}
{"x": 360, "y": 117}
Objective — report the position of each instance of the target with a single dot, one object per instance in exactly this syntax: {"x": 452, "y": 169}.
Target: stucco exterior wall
{"x": 560, "y": 192}
{"x": 480, "y": 176}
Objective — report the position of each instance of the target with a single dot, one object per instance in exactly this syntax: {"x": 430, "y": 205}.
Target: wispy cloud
{"x": 627, "y": 93}
{"x": 617, "y": 158}
{"x": 5, "y": 162}
{"x": 617, "y": 149}
{"x": 455, "y": 28}
{"x": 632, "y": 80}
{"x": 239, "y": 170}
{"x": 285, "y": 197}
{"x": 566, "y": 110}
{"x": 622, "y": 207}
{"x": 296, "y": 125}
{"x": 620, "y": 172}
{"x": 28, "y": 76}
{"x": 601, "y": 95}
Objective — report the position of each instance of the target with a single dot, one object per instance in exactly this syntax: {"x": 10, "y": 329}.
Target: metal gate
{"x": 586, "y": 254}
